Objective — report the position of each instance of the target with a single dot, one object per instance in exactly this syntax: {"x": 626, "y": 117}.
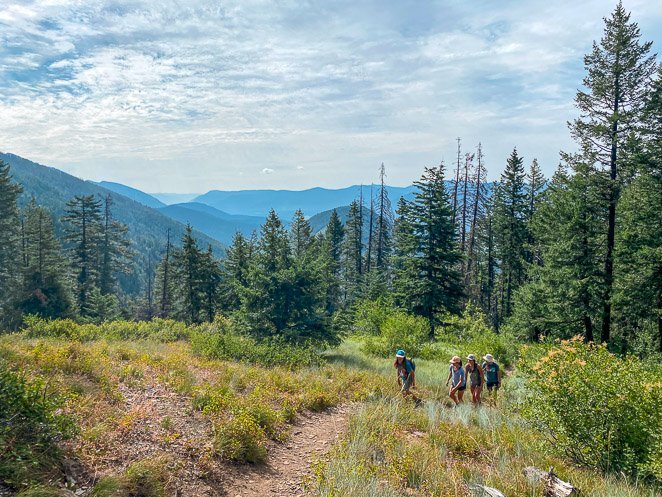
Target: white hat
{"x": 471, "y": 357}
{"x": 489, "y": 358}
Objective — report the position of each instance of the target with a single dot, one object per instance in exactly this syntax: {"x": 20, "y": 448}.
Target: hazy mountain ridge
{"x": 52, "y": 188}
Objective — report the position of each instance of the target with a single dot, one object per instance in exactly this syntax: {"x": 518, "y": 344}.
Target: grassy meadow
{"x": 130, "y": 409}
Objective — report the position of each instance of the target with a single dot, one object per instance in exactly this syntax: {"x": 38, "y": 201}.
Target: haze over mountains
{"x": 216, "y": 215}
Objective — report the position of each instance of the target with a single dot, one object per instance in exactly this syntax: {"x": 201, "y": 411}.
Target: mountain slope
{"x": 217, "y": 224}
{"x": 52, "y": 188}
{"x": 132, "y": 193}
{"x": 286, "y": 202}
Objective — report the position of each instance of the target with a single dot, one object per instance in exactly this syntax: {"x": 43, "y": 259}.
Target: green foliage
{"x": 146, "y": 478}
{"x": 426, "y": 280}
{"x": 241, "y": 439}
{"x": 371, "y": 314}
{"x": 399, "y": 330}
{"x": 162, "y": 330}
{"x": 221, "y": 340}
{"x": 9, "y": 237}
{"x": 603, "y": 411}
{"x": 29, "y": 428}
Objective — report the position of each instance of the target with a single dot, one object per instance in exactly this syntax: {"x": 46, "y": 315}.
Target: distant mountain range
{"x": 148, "y": 227}
{"x": 286, "y": 202}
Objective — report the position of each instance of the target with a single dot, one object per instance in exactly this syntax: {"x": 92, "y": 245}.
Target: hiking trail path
{"x": 311, "y": 437}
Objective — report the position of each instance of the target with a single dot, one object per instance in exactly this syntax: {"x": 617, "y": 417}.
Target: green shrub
{"x": 370, "y": 315}
{"x": 161, "y": 330}
{"x": 601, "y": 410}
{"x": 146, "y": 478}
{"x": 399, "y": 331}
{"x": 241, "y": 439}
{"x": 221, "y": 340}
{"x": 29, "y": 429}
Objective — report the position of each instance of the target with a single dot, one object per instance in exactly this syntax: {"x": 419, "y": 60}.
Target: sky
{"x": 187, "y": 96}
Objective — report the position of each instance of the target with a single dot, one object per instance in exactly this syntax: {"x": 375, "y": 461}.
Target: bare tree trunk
{"x": 370, "y": 227}
{"x": 457, "y": 180}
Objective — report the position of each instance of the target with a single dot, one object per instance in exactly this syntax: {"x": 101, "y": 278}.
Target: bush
{"x": 29, "y": 429}
{"x": 370, "y": 316}
{"x": 146, "y": 478}
{"x": 221, "y": 340}
{"x": 161, "y": 330}
{"x": 601, "y": 410}
{"x": 399, "y": 331}
{"x": 241, "y": 439}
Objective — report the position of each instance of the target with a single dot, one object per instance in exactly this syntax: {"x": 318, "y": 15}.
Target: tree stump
{"x": 482, "y": 491}
{"x": 554, "y": 486}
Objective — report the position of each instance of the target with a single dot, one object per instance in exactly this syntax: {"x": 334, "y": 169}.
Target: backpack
{"x": 412, "y": 364}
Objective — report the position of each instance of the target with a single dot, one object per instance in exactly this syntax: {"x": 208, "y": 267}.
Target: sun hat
{"x": 489, "y": 358}
{"x": 471, "y": 357}
{"x": 400, "y": 353}
{"x": 455, "y": 359}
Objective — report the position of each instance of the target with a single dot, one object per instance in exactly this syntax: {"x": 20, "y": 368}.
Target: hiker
{"x": 459, "y": 380}
{"x": 492, "y": 374}
{"x": 476, "y": 378}
{"x": 406, "y": 372}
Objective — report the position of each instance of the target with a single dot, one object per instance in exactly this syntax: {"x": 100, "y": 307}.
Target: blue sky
{"x": 187, "y": 96}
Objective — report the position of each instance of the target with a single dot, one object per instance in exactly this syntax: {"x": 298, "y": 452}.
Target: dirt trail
{"x": 288, "y": 463}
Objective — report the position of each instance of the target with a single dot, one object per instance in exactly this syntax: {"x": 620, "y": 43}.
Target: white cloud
{"x": 109, "y": 91}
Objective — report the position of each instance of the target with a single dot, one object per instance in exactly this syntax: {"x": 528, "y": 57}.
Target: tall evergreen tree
{"x": 427, "y": 280}
{"x": 188, "y": 268}
{"x": 562, "y": 297}
{"x": 84, "y": 232}
{"x": 536, "y": 187}
{"x": 384, "y": 224}
{"x": 210, "y": 280}
{"x": 266, "y": 302}
{"x": 619, "y": 74}
{"x": 234, "y": 272}
{"x": 300, "y": 235}
{"x": 477, "y": 210}
{"x": 9, "y": 237}
{"x": 510, "y": 228}
{"x": 46, "y": 289}
{"x": 115, "y": 249}
{"x": 164, "y": 280}
{"x": 333, "y": 243}
{"x": 352, "y": 253}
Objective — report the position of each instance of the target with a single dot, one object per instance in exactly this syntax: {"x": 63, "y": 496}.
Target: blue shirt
{"x": 459, "y": 378}
{"x": 406, "y": 368}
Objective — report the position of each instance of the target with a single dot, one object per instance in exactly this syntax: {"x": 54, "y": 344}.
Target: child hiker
{"x": 476, "y": 378}
{"x": 459, "y": 380}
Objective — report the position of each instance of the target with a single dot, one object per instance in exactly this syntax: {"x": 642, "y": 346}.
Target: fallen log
{"x": 554, "y": 486}
{"x": 482, "y": 491}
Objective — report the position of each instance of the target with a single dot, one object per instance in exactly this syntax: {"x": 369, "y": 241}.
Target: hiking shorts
{"x": 406, "y": 384}
{"x": 492, "y": 386}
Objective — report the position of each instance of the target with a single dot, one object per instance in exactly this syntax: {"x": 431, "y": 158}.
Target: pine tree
{"x": 188, "y": 271}
{"x": 477, "y": 210}
{"x": 46, "y": 289}
{"x": 427, "y": 280}
{"x": 384, "y": 224}
{"x": 267, "y": 299}
{"x": 210, "y": 283}
{"x": 234, "y": 272}
{"x": 456, "y": 183}
{"x": 510, "y": 229}
{"x": 638, "y": 252}
{"x": 9, "y": 237}
{"x": 562, "y": 297}
{"x": 164, "y": 280}
{"x": 619, "y": 74}
{"x": 536, "y": 187}
{"x": 115, "y": 249}
{"x": 332, "y": 243}
{"x": 84, "y": 231}
{"x": 300, "y": 235}
{"x": 352, "y": 253}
